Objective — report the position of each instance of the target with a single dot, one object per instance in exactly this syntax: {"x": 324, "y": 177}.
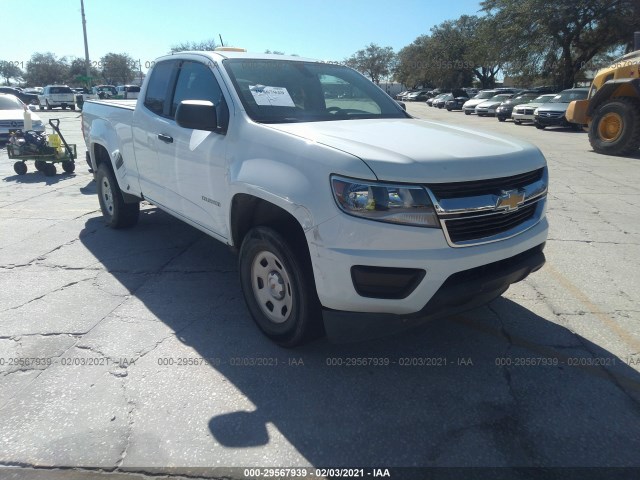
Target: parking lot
{"x": 133, "y": 350}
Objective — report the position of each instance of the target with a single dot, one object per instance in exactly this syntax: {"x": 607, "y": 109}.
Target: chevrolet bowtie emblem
{"x": 510, "y": 200}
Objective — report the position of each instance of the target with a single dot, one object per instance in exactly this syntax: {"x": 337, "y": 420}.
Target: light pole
{"x": 86, "y": 44}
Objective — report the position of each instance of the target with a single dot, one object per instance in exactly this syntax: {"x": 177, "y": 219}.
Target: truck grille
{"x": 484, "y": 211}
{"x": 550, "y": 114}
{"x": 464, "y": 229}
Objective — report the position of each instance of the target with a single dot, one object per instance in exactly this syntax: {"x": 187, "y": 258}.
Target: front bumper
{"x": 460, "y": 292}
{"x": 552, "y": 121}
{"x": 522, "y": 117}
{"x": 343, "y": 242}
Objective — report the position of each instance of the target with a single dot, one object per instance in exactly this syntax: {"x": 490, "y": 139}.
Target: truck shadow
{"x": 497, "y": 386}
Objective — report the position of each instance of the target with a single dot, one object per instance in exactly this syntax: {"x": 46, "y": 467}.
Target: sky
{"x": 146, "y": 29}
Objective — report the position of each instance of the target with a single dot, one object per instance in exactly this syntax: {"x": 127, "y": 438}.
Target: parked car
{"x": 416, "y": 95}
{"x": 28, "y": 98}
{"x": 83, "y": 94}
{"x": 505, "y": 109}
{"x": 442, "y": 100}
{"x": 489, "y": 107}
{"x": 387, "y": 215}
{"x": 431, "y": 100}
{"x": 400, "y": 95}
{"x": 129, "y": 92}
{"x": 12, "y": 116}
{"x": 524, "y": 112}
{"x": 553, "y": 112}
{"x": 57, "y": 96}
{"x": 470, "y": 106}
{"x": 34, "y": 90}
{"x": 456, "y": 103}
{"x": 104, "y": 91}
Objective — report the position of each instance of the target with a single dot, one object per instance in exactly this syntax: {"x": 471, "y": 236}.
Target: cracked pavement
{"x": 124, "y": 353}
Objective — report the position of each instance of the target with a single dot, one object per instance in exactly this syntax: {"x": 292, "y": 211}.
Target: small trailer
{"x": 44, "y": 155}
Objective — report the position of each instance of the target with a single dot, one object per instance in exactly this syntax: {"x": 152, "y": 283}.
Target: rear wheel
{"x": 615, "y": 129}
{"x": 49, "y": 169}
{"x": 117, "y": 213}
{"x": 277, "y": 282}
{"x": 72, "y": 107}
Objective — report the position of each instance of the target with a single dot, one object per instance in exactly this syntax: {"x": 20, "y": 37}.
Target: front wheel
{"x": 539, "y": 126}
{"x": 615, "y": 129}
{"x": 466, "y": 112}
{"x": 117, "y": 213}
{"x": 501, "y": 119}
{"x": 278, "y": 287}
{"x": 20, "y": 168}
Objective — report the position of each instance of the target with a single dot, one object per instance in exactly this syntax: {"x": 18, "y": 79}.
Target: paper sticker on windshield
{"x": 271, "y": 96}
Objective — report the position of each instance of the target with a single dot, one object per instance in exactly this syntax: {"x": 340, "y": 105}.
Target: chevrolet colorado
{"x": 341, "y": 205}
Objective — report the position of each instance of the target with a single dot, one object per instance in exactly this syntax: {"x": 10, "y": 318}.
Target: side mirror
{"x": 403, "y": 105}
{"x": 197, "y": 114}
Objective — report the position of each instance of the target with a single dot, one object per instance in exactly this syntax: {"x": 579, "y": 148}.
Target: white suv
{"x": 57, "y": 96}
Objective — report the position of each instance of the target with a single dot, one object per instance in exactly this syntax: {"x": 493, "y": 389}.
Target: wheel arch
{"x": 611, "y": 89}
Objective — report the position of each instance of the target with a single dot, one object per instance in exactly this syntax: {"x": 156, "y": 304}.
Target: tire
{"x": 466, "y": 112}
{"x": 20, "y": 168}
{"x": 64, "y": 107}
{"x": 538, "y": 126}
{"x": 117, "y": 213}
{"x": 41, "y": 107}
{"x": 517, "y": 122}
{"x": 68, "y": 166}
{"x": 48, "y": 106}
{"x": 501, "y": 119}
{"x": 40, "y": 164}
{"x": 72, "y": 107}
{"x": 49, "y": 169}
{"x": 278, "y": 287}
{"x": 615, "y": 128}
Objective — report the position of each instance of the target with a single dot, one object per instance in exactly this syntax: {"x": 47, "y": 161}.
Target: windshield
{"x": 501, "y": 98}
{"x": 544, "y": 98}
{"x": 9, "y": 102}
{"x": 60, "y": 90}
{"x": 282, "y": 91}
{"x": 569, "y": 96}
{"x": 485, "y": 95}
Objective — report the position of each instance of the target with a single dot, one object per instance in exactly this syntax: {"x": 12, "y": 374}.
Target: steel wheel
{"x": 610, "y": 127}
{"x": 107, "y": 194}
{"x": 272, "y": 287}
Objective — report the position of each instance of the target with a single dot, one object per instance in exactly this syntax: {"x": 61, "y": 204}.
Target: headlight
{"x": 401, "y": 204}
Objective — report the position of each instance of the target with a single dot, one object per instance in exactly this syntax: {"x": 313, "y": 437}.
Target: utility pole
{"x": 86, "y": 44}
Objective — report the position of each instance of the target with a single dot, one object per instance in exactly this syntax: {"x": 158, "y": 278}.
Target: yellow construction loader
{"x": 612, "y": 109}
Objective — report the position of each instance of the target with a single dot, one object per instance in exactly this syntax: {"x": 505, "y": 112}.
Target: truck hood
{"x": 420, "y": 151}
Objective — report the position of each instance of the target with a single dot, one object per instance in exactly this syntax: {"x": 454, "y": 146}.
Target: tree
{"x": 78, "y": 72}
{"x": 9, "y": 70}
{"x": 374, "y": 61}
{"x": 117, "y": 68}
{"x": 556, "y": 37}
{"x": 204, "y": 46}
{"x": 46, "y": 69}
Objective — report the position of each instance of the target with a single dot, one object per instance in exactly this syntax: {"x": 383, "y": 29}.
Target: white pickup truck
{"x": 342, "y": 206}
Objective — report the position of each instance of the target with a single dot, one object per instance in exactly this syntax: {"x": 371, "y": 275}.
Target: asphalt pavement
{"x": 124, "y": 353}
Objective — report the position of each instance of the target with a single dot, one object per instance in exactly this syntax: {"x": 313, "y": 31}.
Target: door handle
{"x": 165, "y": 138}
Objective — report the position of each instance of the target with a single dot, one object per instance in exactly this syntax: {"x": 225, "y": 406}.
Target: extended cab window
{"x": 197, "y": 82}
{"x": 283, "y": 91}
{"x": 158, "y": 86}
